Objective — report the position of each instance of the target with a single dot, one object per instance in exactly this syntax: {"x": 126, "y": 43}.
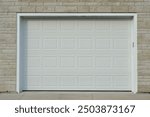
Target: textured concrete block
{"x": 66, "y": 9}
{"x": 67, "y": 0}
{"x": 83, "y": 8}
{"x": 36, "y": 3}
{"x": 146, "y": 9}
{"x": 145, "y": 24}
{"x": 22, "y": 3}
{"x": 3, "y": 9}
{"x": 100, "y": 9}
{"x": 120, "y": 8}
{"x": 28, "y": 9}
{"x": 136, "y": 9}
{"x": 143, "y": 88}
{"x": 52, "y": 3}
{"x": 45, "y": 9}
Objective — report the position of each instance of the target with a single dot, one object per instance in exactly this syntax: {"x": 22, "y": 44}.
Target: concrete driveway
{"x": 74, "y": 96}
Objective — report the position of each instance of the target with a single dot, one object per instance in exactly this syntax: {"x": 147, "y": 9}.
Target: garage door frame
{"x": 20, "y": 16}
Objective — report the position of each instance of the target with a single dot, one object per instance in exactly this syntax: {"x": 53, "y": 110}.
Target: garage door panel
{"x": 68, "y": 81}
{"x": 67, "y": 36}
{"x": 81, "y": 71}
{"x": 121, "y": 44}
{"x": 85, "y": 44}
{"x": 85, "y": 37}
{"x": 50, "y": 36}
{"x": 32, "y": 36}
{"x": 67, "y": 43}
{"x": 31, "y": 52}
{"x": 33, "y": 62}
{"x": 67, "y": 61}
{"x": 80, "y": 33}
{"x": 50, "y": 81}
{"x": 113, "y": 52}
{"x": 33, "y": 71}
{"x": 103, "y": 44}
{"x": 50, "y": 25}
{"x": 85, "y": 25}
{"x": 103, "y": 61}
{"x": 67, "y": 25}
{"x": 34, "y": 81}
{"x": 122, "y": 82}
{"x": 120, "y": 24}
{"x": 33, "y": 44}
{"x": 85, "y": 61}
{"x": 49, "y": 61}
{"x": 33, "y": 25}
{"x": 102, "y": 26}
{"x": 119, "y": 35}
{"x": 77, "y": 54}
{"x": 103, "y": 81}
{"x": 50, "y": 44}
{"x": 121, "y": 61}
{"x": 89, "y": 81}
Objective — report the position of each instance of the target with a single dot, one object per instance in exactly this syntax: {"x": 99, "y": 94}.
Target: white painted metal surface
{"x": 77, "y": 54}
{"x": 20, "y": 40}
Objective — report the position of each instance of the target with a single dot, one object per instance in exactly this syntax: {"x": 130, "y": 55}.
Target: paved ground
{"x": 75, "y": 96}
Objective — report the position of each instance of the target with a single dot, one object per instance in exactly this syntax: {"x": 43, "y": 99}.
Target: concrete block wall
{"x": 9, "y": 8}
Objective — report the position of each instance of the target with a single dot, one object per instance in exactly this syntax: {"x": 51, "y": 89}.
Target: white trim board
{"x": 100, "y": 15}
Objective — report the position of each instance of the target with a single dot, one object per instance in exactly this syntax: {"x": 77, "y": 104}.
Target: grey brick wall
{"x": 9, "y": 8}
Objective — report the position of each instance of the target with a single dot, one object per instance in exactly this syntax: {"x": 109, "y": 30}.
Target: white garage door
{"x": 77, "y": 54}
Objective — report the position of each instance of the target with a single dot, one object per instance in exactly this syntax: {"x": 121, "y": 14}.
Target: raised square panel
{"x": 68, "y": 81}
{"x": 33, "y": 25}
{"x": 85, "y": 44}
{"x": 86, "y": 81}
{"x": 119, "y": 35}
{"x": 67, "y": 25}
{"x": 67, "y": 44}
{"x": 120, "y": 44}
{"x": 33, "y": 44}
{"x": 49, "y": 25}
{"x": 102, "y": 44}
{"x": 33, "y": 81}
{"x": 121, "y": 61}
{"x": 121, "y": 82}
{"x": 85, "y": 61}
{"x": 102, "y": 25}
{"x": 49, "y": 81}
{"x": 50, "y": 44}
{"x": 119, "y": 25}
{"x": 103, "y": 81}
{"x": 85, "y": 25}
{"x": 102, "y": 61}
{"x": 34, "y": 61}
{"x": 36, "y": 71}
{"x": 50, "y": 61}
{"x": 67, "y": 61}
